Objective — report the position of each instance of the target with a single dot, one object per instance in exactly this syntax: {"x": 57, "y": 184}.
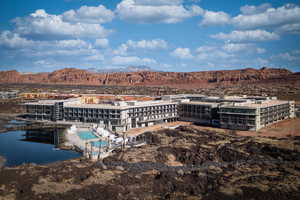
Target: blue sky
{"x": 167, "y": 35}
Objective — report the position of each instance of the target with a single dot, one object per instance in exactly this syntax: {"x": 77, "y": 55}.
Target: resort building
{"x": 121, "y": 113}
{"x": 199, "y": 112}
{"x": 46, "y": 95}
{"x": 118, "y": 116}
{"x": 8, "y": 95}
{"x": 255, "y": 115}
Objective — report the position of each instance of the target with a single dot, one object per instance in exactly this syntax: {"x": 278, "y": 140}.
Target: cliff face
{"x": 146, "y": 78}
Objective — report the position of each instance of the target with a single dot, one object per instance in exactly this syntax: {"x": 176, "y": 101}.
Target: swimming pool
{"x": 99, "y": 143}
{"x": 86, "y": 135}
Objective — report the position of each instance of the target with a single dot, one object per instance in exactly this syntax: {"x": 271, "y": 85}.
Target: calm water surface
{"x": 18, "y": 150}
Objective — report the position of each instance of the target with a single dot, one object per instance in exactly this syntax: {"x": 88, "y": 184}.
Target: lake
{"x": 38, "y": 147}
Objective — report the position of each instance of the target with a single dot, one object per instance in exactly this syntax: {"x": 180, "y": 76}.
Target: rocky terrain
{"x": 185, "y": 163}
{"x": 205, "y": 79}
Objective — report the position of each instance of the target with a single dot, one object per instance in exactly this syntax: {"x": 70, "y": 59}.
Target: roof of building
{"x": 202, "y": 103}
{"x": 257, "y": 104}
{"x": 126, "y": 106}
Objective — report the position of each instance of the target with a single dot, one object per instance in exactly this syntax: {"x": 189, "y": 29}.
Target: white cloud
{"x": 122, "y": 60}
{"x": 96, "y": 57}
{"x": 68, "y": 44}
{"x": 121, "y": 50}
{"x": 158, "y": 2}
{"x": 158, "y": 11}
{"x": 289, "y": 28}
{"x": 251, "y": 10}
{"x": 14, "y": 40}
{"x": 263, "y": 62}
{"x": 64, "y": 52}
{"x": 289, "y": 56}
{"x": 142, "y": 44}
{"x": 243, "y": 47}
{"x": 229, "y": 53}
{"x": 250, "y": 35}
{"x": 215, "y": 18}
{"x": 284, "y": 19}
{"x": 262, "y": 17}
{"x": 183, "y": 53}
{"x": 89, "y": 14}
{"x": 148, "y": 44}
{"x": 102, "y": 43}
{"x": 290, "y": 59}
{"x": 42, "y": 24}
{"x": 41, "y": 62}
{"x": 211, "y": 53}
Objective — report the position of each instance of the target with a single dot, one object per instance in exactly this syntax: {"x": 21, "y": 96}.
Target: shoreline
{"x": 6, "y": 118}
{"x": 2, "y": 161}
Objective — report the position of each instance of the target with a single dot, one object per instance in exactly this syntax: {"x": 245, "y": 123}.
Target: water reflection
{"x": 54, "y": 137}
{"x": 38, "y": 146}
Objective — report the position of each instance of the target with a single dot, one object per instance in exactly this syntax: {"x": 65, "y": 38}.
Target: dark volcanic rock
{"x": 184, "y": 163}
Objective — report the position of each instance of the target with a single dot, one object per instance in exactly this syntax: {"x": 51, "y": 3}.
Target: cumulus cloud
{"x": 142, "y": 44}
{"x": 182, "y": 53}
{"x": 65, "y": 52}
{"x": 67, "y": 44}
{"x": 125, "y": 60}
{"x": 291, "y": 56}
{"x": 251, "y": 10}
{"x": 158, "y": 2}
{"x": 284, "y": 19}
{"x": 243, "y": 47}
{"x": 215, "y": 18}
{"x": 265, "y": 16}
{"x": 89, "y": 14}
{"x": 121, "y": 50}
{"x": 43, "y": 24}
{"x": 157, "y": 11}
{"x": 96, "y": 57}
{"x": 248, "y": 36}
{"x": 14, "y": 40}
{"x": 211, "y": 53}
{"x": 289, "y": 28}
{"x": 148, "y": 44}
{"x": 228, "y": 53}
{"x": 102, "y": 43}
{"x": 42, "y": 49}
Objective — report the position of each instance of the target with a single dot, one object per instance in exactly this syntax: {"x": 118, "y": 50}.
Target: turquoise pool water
{"x": 86, "y": 135}
{"x": 99, "y": 143}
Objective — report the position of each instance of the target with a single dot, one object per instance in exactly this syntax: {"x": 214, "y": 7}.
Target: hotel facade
{"x": 239, "y": 113}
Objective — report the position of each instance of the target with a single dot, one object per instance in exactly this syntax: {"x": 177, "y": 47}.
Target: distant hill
{"x": 187, "y": 80}
{"x": 123, "y": 69}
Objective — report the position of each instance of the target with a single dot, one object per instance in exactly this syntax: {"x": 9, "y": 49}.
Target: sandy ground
{"x": 290, "y": 127}
{"x": 286, "y": 128}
